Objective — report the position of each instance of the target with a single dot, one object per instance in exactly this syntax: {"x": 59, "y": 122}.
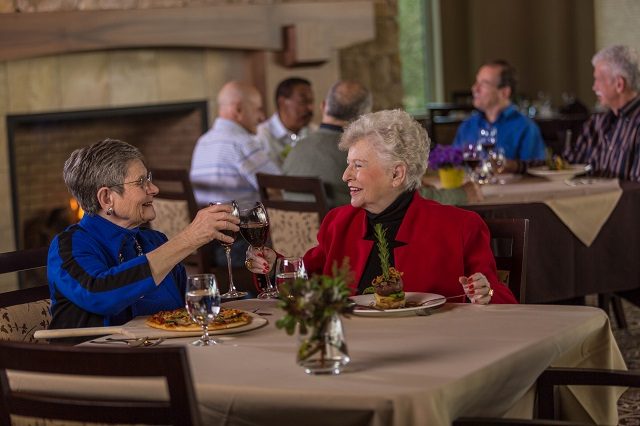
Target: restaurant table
{"x": 560, "y": 265}
{"x": 461, "y": 360}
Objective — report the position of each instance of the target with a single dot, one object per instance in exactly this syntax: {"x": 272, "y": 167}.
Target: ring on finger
{"x": 248, "y": 263}
{"x": 490, "y": 292}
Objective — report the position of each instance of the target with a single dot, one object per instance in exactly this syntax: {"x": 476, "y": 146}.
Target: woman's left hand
{"x": 477, "y": 288}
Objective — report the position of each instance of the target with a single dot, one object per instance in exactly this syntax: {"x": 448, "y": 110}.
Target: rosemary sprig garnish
{"x": 383, "y": 248}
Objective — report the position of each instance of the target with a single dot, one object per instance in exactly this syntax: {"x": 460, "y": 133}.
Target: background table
{"x": 560, "y": 266}
{"x": 462, "y": 360}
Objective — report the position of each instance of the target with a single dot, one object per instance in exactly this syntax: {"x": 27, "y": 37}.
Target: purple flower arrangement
{"x": 445, "y": 156}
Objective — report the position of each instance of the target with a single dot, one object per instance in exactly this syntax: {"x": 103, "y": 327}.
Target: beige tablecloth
{"x": 583, "y": 208}
{"x": 463, "y": 360}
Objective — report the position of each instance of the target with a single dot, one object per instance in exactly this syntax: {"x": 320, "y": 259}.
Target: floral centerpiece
{"x": 312, "y": 307}
{"x": 448, "y": 161}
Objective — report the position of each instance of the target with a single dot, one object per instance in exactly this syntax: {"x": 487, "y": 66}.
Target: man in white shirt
{"x": 226, "y": 158}
{"x": 294, "y": 111}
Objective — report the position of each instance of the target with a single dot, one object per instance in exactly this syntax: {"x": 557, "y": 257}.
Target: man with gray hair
{"x": 318, "y": 154}
{"x": 610, "y": 140}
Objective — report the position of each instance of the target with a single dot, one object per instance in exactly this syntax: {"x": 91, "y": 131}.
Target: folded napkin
{"x": 77, "y": 332}
{"x": 585, "y": 215}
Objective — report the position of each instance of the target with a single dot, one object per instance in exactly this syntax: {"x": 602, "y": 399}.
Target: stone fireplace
{"x": 40, "y": 143}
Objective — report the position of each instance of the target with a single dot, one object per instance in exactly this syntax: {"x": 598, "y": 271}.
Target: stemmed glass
{"x": 288, "y": 269}
{"x": 202, "y": 300}
{"x": 254, "y": 227}
{"x": 497, "y": 160}
{"x": 472, "y": 159}
{"x": 233, "y": 293}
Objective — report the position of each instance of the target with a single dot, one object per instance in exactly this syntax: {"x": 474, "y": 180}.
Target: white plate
{"x": 544, "y": 172}
{"x": 426, "y": 300}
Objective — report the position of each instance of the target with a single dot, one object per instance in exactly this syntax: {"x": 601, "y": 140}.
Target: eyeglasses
{"x": 143, "y": 182}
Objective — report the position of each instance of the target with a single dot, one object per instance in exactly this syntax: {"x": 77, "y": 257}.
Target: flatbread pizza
{"x": 179, "y": 320}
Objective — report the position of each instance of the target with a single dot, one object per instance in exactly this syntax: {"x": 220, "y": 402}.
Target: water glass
{"x": 202, "y": 300}
{"x": 288, "y": 269}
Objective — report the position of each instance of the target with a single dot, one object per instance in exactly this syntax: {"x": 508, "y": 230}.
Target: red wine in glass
{"x": 233, "y": 292}
{"x": 472, "y": 163}
{"x": 254, "y": 227}
{"x": 255, "y": 233}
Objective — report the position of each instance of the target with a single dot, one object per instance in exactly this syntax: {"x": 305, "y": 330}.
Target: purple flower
{"x": 445, "y": 156}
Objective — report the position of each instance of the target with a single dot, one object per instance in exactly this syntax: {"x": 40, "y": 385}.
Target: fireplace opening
{"x": 40, "y": 143}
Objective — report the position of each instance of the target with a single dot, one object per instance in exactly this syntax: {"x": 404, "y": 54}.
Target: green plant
{"x": 310, "y": 303}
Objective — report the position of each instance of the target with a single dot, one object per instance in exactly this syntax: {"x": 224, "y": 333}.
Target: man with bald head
{"x": 226, "y": 158}
{"x": 318, "y": 154}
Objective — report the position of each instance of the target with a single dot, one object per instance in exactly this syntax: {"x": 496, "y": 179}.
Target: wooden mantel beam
{"x": 246, "y": 27}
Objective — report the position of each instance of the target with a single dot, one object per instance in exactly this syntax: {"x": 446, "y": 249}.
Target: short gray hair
{"x": 623, "y": 62}
{"x": 348, "y": 100}
{"x": 104, "y": 163}
{"x": 397, "y": 137}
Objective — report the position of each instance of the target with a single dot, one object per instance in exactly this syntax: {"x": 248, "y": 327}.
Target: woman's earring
{"x": 109, "y": 211}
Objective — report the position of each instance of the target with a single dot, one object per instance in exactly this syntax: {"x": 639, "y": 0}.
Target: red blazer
{"x": 442, "y": 244}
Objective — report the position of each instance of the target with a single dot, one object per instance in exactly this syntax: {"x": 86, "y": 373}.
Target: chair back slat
{"x": 509, "y": 242}
{"x": 169, "y": 363}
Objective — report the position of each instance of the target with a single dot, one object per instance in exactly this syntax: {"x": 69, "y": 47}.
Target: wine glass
{"x": 288, "y": 269}
{"x": 472, "y": 159}
{"x": 497, "y": 160}
{"x": 202, "y": 301}
{"x": 254, "y": 227}
{"x": 233, "y": 293}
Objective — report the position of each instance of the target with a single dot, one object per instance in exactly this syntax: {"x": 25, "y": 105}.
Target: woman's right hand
{"x": 209, "y": 224}
{"x": 260, "y": 261}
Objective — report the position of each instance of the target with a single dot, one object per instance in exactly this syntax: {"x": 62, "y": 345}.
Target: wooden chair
{"x": 176, "y": 207}
{"x": 444, "y": 119}
{"x": 170, "y": 363}
{"x": 546, "y": 388}
{"x": 509, "y": 242}
{"x": 294, "y": 225}
{"x": 24, "y": 311}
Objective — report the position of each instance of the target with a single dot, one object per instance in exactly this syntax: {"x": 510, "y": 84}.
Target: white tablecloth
{"x": 462, "y": 360}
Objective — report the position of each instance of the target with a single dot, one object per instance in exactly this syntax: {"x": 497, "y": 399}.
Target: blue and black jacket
{"x": 96, "y": 278}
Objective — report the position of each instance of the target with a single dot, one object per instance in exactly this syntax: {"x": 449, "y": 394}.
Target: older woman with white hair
{"x": 439, "y": 249}
{"x": 107, "y": 269}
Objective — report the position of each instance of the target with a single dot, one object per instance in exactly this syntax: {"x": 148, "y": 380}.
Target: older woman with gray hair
{"x": 106, "y": 269}
{"x": 439, "y": 249}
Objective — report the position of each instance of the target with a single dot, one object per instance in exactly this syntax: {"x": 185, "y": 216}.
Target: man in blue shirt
{"x": 516, "y": 134}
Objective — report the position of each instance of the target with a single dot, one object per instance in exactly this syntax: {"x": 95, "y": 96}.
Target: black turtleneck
{"x": 390, "y": 218}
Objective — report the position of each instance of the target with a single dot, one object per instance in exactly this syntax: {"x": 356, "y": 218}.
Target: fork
{"x": 132, "y": 342}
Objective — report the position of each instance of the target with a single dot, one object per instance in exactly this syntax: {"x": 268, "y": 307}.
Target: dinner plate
{"x": 424, "y": 300}
{"x": 568, "y": 173}
{"x": 137, "y": 328}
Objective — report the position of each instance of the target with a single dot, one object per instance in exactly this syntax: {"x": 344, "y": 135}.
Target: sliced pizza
{"x": 179, "y": 320}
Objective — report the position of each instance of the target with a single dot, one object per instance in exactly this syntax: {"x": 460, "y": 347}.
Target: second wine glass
{"x": 254, "y": 227}
{"x": 233, "y": 293}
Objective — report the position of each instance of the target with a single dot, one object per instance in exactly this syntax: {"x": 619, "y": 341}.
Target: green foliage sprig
{"x": 309, "y": 304}
{"x": 383, "y": 248}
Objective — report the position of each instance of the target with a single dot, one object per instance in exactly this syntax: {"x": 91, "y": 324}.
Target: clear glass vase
{"x": 324, "y": 349}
